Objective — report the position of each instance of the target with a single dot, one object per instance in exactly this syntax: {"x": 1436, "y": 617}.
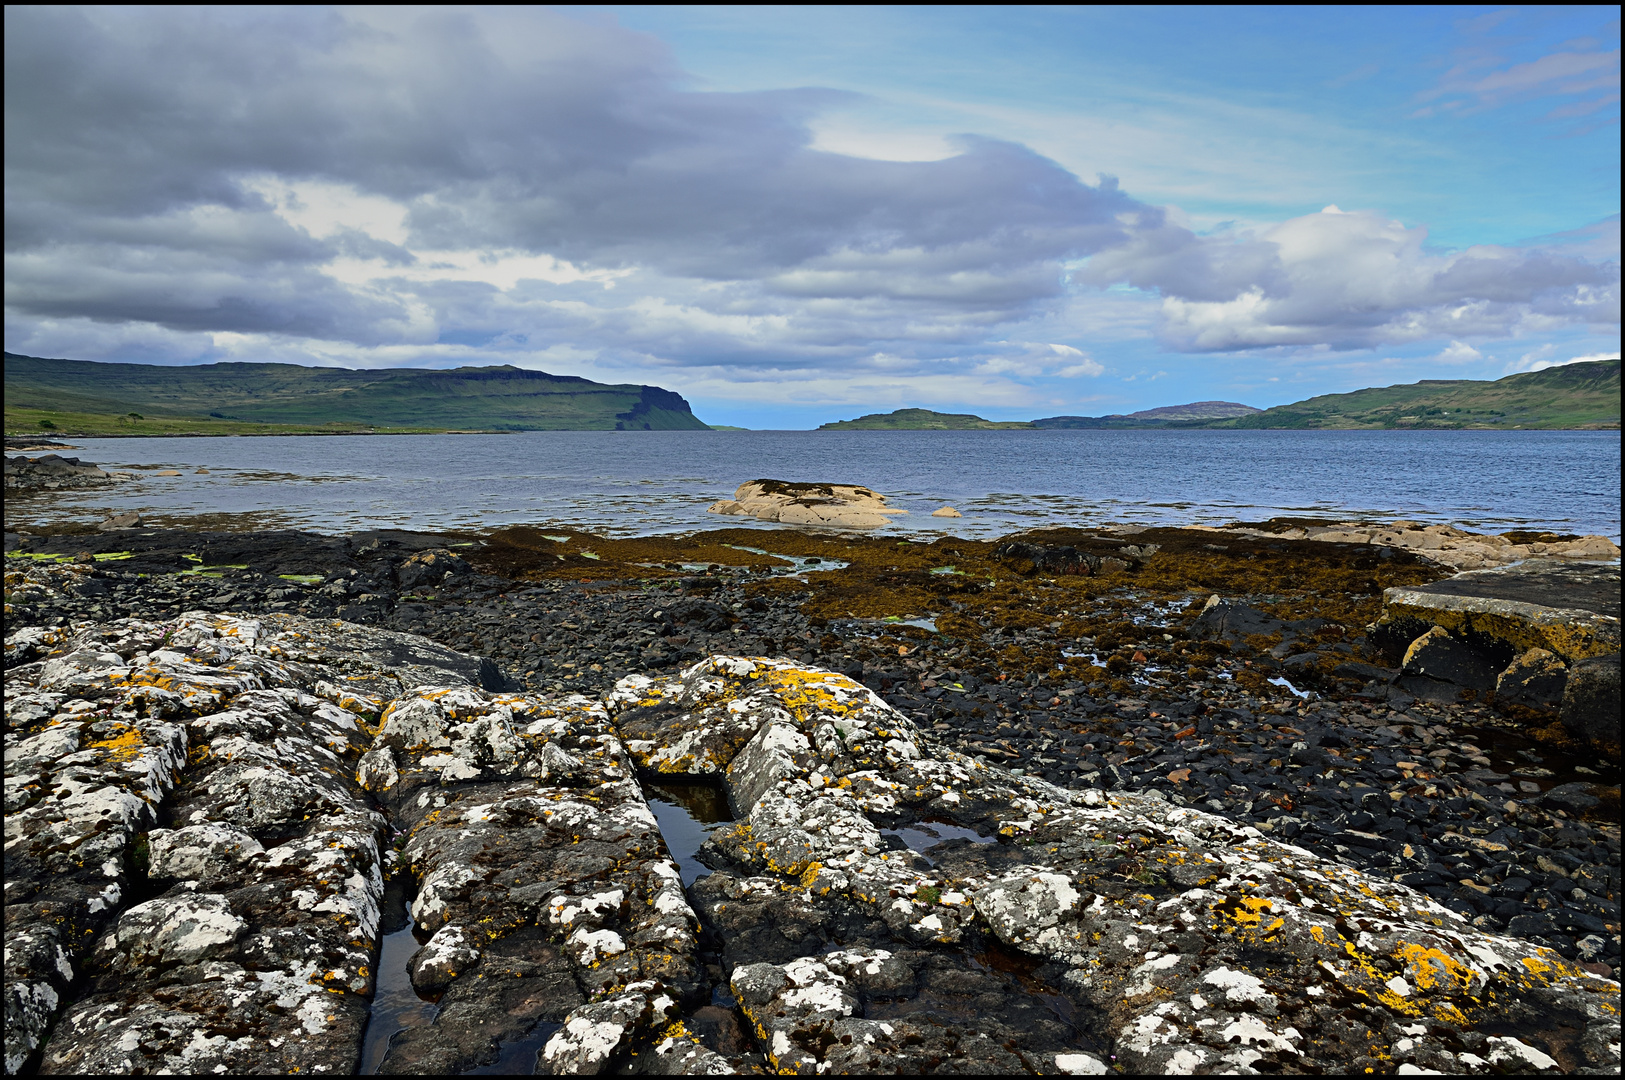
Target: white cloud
{"x": 1529, "y": 361}
{"x": 1458, "y": 352}
{"x": 1349, "y": 279}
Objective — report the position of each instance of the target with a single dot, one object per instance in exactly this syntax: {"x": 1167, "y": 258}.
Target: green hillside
{"x": 921, "y": 420}
{"x": 1572, "y": 396}
{"x": 1193, "y": 414}
{"x": 301, "y": 398}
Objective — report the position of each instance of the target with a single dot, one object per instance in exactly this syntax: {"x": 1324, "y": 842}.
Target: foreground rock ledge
{"x": 194, "y": 859}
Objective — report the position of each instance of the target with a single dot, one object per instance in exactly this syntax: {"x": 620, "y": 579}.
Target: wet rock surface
{"x": 1500, "y": 816}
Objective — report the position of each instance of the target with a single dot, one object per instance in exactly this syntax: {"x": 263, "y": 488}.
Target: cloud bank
{"x": 380, "y": 187}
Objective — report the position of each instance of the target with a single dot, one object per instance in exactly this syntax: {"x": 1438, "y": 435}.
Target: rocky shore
{"x": 53, "y": 472}
{"x": 985, "y": 792}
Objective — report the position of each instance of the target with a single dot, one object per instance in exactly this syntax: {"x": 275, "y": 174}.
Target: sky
{"x": 796, "y": 215}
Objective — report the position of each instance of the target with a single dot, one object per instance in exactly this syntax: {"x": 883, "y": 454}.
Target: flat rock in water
{"x": 844, "y": 506}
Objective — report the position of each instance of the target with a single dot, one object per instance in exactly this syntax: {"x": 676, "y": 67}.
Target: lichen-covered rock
{"x": 202, "y": 853}
{"x": 435, "y": 965}
{"x": 210, "y": 760}
{"x": 85, "y": 772}
{"x": 193, "y": 855}
{"x": 1183, "y": 942}
{"x": 281, "y": 936}
{"x": 541, "y": 873}
{"x": 592, "y": 1034}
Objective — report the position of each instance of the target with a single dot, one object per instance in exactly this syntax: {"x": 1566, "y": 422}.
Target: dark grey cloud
{"x": 139, "y": 142}
{"x": 578, "y": 141}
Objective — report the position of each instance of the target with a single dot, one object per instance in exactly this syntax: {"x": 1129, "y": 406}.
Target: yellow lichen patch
{"x": 124, "y": 747}
{"x": 1245, "y": 911}
{"x": 1433, "y": 969}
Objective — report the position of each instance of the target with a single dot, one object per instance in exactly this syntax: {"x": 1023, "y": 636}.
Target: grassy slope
{"x": 1571, "y": 396}
{"x": 920, "y": 420}
{"x": 502, "y": 398}
{"x": 64, "y": 422}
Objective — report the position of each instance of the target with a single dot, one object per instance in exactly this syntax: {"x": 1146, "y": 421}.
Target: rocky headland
{"x": 1076, "y": 802}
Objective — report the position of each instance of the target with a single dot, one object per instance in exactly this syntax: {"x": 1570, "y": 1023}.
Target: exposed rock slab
{"x": 842, "y": 506}
{"x": 1443, "y": 544}
{"x": 253, "y": 944}
{"x": 1183, "y": 941}
{"x": 1035, "y": 928}
{"x": 1516, "y": 630}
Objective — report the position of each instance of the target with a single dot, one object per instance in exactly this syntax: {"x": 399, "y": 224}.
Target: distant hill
{"x": 920, "y": 420}
{"x": 1582, "y": 395}
{"x": 291, "y": 396}
{"x": 1196, "y": 410}
{"x": 1189, "y": 415}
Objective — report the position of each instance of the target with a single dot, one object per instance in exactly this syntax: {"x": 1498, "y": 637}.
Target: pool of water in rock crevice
{"x": 686, "y": 811}
{"x": 396, "y": 1005}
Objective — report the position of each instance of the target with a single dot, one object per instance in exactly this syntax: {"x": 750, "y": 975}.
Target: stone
{"x": 542, "y": 875}
{"x": 1534, "y": 680}
{"x": 1029, "y": 559}
{"x": 946, "y": 511}
{"x": 1590, "y": 706}
{"x": 845, "y": 506}
{"x": 429, "y": 568}
{"x": 941, "y": 913}
{"x": 1456, "y": 548}
{"x": 269, "y": 889}
{"x": 1438, "y": 656}
{"x": 113, "y": 522}
{"x": 1570, "y": 609}
{"x": 1232, "y": 622}
{"x": 435, "y": 965}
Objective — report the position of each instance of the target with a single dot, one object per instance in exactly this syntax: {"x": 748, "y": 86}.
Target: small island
{"x": 921, "y": 420}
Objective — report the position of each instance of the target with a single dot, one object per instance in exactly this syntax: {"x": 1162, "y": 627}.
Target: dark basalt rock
{"x": 1038, "y": 558}
{"x": 1591, "y": 700}
{"x": 1438, "y": 656}
{"x": 1535, "y": 680}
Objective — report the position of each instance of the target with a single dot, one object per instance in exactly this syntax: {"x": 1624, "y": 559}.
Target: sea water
{"x": 633, "y": 483}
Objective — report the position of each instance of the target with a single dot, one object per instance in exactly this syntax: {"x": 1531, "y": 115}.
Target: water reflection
{"x": 687, "y": 814}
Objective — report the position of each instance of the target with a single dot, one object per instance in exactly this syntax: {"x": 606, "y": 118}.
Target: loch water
{"x": 635, "y": 483}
